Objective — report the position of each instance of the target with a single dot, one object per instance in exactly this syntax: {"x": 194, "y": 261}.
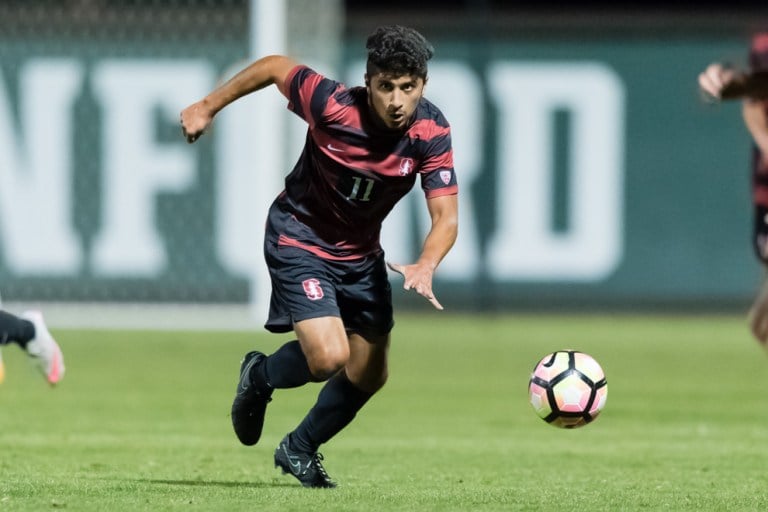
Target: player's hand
{"x": 758, "y": 315}
{"x": 418, "y": 278}
{"x": 194, "y": 120}
{"x": 714, "y": 79}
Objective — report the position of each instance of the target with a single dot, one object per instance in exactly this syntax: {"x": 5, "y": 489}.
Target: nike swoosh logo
{"x": 295, "y": 466}
{"x": 335, "y": 149}
{"x": 241, "y": 389}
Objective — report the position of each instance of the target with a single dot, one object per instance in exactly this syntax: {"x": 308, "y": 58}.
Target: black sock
{"x": 15, "y": 329}
{"x": 286, "y": 368}
{"x": 337, "y": 404}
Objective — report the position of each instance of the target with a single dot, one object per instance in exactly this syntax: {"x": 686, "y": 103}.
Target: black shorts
{"x": 306, "y": 286}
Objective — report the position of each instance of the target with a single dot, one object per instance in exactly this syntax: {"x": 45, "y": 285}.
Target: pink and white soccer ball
{"x": 568, "y": 389}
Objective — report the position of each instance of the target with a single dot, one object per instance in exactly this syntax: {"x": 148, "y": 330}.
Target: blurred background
{"x": 593, "y": 176}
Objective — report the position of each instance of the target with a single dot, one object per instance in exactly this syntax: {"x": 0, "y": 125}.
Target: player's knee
{"x": 327, "y": 364}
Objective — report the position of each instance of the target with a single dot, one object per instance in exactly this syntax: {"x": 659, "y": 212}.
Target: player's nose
{"x": 396, "y": 100}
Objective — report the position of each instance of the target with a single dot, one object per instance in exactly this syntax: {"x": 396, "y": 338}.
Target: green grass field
{"x": 141, "y": 422}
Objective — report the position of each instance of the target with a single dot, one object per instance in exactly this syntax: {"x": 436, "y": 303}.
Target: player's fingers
{"x": 716, "y": 74}
{"x": 396, "y": 267}
{"x": 400, "y": 269}
{"x": 715, "y": 79}
{"x": 435, "y": 302}
{"x": 426, "y": 292}
{"x": 186, "y": 133}
{"x": 704, "y": 81}
{"x": 710, "y": 90}
{"x": 193, "y": 125}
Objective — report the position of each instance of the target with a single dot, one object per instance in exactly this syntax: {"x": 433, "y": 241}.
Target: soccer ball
{"x": 568, "y": 389}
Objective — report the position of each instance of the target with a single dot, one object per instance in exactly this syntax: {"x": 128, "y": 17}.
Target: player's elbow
{"x": 450, "y": 227}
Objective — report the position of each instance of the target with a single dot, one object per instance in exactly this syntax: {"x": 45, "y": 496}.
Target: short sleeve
{"x": 308, "y": 93}
{"x": 438, "y": 177}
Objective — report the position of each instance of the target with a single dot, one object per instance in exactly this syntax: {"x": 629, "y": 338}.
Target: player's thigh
{"x": 365, "y": 297}
{"x": 368, "y": 361}
{"x": 303, "y": 287}
{"x": 324, "y": 343}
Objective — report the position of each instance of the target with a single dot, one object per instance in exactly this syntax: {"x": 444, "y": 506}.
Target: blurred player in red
{"x": 721, "y": 82}
{"x": 365, "y": 148}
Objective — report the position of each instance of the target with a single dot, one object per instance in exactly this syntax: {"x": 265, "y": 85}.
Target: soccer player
{"x": 719, "y": 81}
{"x": 364, "y": 148}
{"x": 31, "y": 334}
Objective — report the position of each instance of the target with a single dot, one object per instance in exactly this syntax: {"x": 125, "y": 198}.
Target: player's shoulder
{"x": 324, "y": 90}
{"x": 303, "y": 74}
{"x": 427, "y": 111}
{"x": 349, "y": 96}
{"x": 429, "y": 123}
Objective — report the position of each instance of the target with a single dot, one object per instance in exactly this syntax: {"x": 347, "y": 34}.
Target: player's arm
{"x": 756, "y": 120}
{"x": 444, "y": 212}
{"x": 722, "y": 82}
{"x": 749, "y": 85}
{"x": 273, "y": 69}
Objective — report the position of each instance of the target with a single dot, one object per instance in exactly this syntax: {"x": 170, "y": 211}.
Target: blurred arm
{"x": 752, "y": 85}
{"x": 755, "y": 115}
{"x": 722, "y": 82}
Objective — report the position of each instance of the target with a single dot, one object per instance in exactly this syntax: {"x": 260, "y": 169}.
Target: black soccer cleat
{"x": 306, "y": 467}
{"x": 250, "y": 403}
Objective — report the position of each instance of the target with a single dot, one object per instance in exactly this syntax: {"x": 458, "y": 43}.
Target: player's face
{"x": 394, "y": 99}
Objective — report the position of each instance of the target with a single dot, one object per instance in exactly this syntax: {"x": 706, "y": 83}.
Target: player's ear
{"x": 367, "y": 81}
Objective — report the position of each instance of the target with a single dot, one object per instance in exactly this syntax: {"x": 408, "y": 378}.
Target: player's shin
{"x": 336, "y": 406}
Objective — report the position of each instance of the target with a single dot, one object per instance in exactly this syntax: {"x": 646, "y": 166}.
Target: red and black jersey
{"x": 758, "y": 60}
{"x": 352, "y": 172}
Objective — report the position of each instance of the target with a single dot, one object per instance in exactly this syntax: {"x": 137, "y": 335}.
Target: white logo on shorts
{"x": 312, "y": 289}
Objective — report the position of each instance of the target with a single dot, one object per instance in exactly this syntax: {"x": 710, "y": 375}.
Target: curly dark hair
{"x": 398, "y": 50}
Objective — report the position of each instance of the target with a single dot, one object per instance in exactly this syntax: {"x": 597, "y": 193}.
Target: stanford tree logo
{"x": 406, "y": 166}
{"x": 312, "y": 289}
